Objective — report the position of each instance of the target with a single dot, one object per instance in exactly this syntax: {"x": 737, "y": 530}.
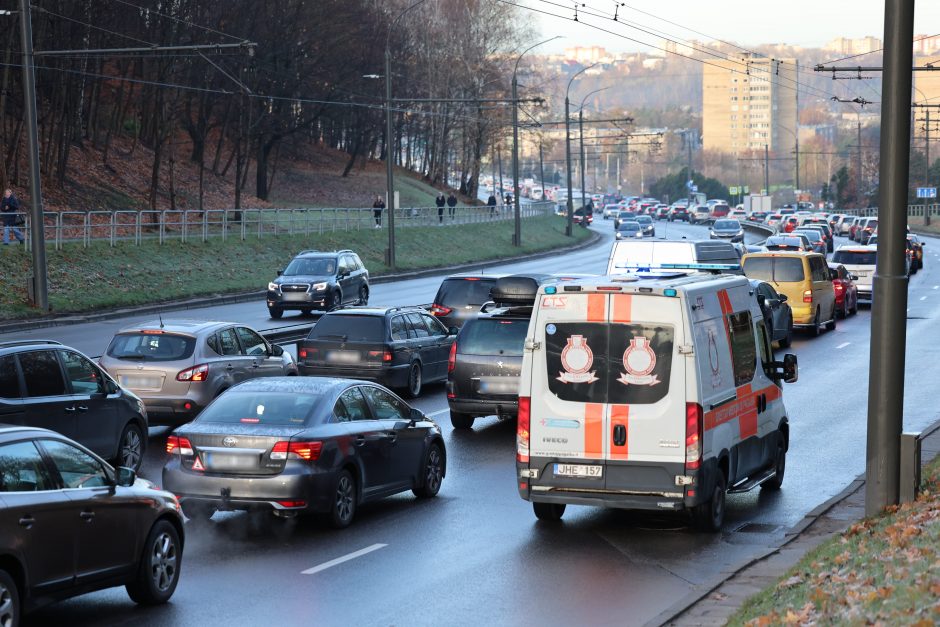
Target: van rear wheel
{"x": 551, "y": 512}
{"x": 461, "y": 421}
{"x": 710, "y": 515}
{"x": 831, "y": 325}
{"x": 817, "y": 328}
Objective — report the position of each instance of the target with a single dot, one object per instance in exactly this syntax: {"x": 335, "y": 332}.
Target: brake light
{"x": 522, "y": 430}
{"x": 808, "y": 296}
{"x": 452, "y": 358}
{"x": 306, "y": 451}
{"x": 385, "y": 356}
{"x": 693, "y": 436}
{"x": 440, "y": 310}
{"x": 176, "y": 444}
{"x": 302, "y": 353}
{"x": 838, "y": 286}
{"x": 194, "y": 374}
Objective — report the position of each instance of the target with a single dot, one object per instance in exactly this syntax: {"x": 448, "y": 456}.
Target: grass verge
{"x": 100, "y": 277}
{"x": 881, "y": 571}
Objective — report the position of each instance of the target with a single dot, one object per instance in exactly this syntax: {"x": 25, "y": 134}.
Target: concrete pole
{"x": 766, "y": 170}
{"x": 517, "y": 220}
{"x": 797, "y": 129}
{"x": 541, "y": 171}
{"x": 858, "y": 162}
{"x": 570, "y": 205}
{"x": 389, "y": 160}
{"x": 581, "y": 151}
{"x": 889, "y": 307}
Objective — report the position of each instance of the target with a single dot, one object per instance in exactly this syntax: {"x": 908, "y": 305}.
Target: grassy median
{"x": 101, "y": 277}
{"x": 882, "y": 571}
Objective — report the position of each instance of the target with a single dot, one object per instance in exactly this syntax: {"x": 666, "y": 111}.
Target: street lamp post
{"x": 581, "y": 139}
{"x": 570, "y": 205}
{"x": 517, "y": 228}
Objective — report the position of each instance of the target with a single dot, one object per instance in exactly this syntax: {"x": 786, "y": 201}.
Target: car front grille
{"x": 295, "y": 287}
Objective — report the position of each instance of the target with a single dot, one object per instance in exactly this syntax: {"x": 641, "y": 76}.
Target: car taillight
{"x": 522, "y": 430}
{"x": 306, "y": 451}
{"x": 194, "y": 374}
{"x": 176, "y": 444}
{"x": 808, "y": 296}
{"x": 385, "y": 356}
{"x": 302, "y": 353}
{"x": 838, "y": 287}
{"x": 693, "y": 436}
{"x": 440, "y": 310}
{"x": 452, "y": 358}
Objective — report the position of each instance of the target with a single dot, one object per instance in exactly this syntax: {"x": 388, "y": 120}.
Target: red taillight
{"x": 522, "y": 430}
{"x": 838, "y": 286}
{"x": 385, "y": 356}
{"x": 693, "y": 436}
{"x": 292, "y": 503}
{"x": 302, "y": 353}
{"x": 808, "y": 296}
{"x": 306, "y": 451}
{"x": 176, "y": 444}
{"x": 194, "y": 374}
{"x": 440, "y": 310}
{"x": 452, "y": 358}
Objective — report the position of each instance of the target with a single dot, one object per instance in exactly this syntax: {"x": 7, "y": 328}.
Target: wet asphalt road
{"x": 476, "y": 554}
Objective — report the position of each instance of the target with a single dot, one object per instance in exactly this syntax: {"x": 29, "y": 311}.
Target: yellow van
{"x": 803, "y": 277}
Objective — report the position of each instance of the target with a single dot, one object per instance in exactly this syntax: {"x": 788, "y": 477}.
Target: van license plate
{"x": 582, "y": 471}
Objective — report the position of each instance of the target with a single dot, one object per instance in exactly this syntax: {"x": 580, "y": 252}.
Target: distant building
{"x": 847, "y": 46}
{"x": 749, "y": 102}
{"x": 586, "y": 54}
{"x": 926, "y": 88}
{"x": 826, "y": 132}
{"x": 926, "y": 44}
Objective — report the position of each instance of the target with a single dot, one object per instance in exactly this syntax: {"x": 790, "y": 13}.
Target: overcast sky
{"x": 808, "y": 23}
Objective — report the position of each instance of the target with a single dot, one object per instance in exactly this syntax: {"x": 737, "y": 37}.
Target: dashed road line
{"x": 923, "y": 298}
{"x": 345, "y": 558}
{"x": 843, "y": 345}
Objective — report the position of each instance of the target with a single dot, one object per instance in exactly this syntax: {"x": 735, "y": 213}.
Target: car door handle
{"x": 87, "y": 516}
{"x": 359, "y": 440}
{"x": 27, "y": 521}
{"x": 390, "y": 437}
{"x": 69, "y": 409}
{"x": 82, "y": 408}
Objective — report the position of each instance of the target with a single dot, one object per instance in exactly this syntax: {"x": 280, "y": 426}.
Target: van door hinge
{"x": 686, "y": 349}
{"x": 532, "y": 345}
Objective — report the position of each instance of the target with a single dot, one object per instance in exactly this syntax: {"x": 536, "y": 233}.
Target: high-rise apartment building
{"x": 749, "y": 102}
{"x": 927, "y": 90}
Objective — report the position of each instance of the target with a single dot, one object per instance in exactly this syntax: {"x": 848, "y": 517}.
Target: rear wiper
{"x": 131, "y": 356}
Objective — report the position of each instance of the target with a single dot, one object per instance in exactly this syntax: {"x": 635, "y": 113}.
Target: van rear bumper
{"x": 660, "y": 502}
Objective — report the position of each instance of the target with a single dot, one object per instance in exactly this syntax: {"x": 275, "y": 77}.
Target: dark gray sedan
{"x": 303, "y": 444}
{"x": 728, "y": 230}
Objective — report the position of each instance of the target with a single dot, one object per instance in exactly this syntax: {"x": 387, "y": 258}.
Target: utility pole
{"x": 37, "y": 233}
{"x": 499, "y": 161}
{"x": 688, "y": 143}
{"x": 517, "y": 222}
{"x": 889, "y": 297}
{"x": 570, "y": 205}
{"x": 541, "y": 170}
{"x": 389, "y": 163}
{"x": 858, "y": 164}
{"x": 766, "y": 170}
{"x": 797, "y": 127}
{"x": 581, "y": 140}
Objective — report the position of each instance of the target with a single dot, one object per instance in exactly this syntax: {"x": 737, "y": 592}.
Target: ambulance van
{"x": 650, "y": 391}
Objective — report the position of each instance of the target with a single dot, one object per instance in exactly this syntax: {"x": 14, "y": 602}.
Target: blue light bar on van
{"x": 669, "y": 292}
{"x": 678, "y": 266}
{"x": 550, "y": 289}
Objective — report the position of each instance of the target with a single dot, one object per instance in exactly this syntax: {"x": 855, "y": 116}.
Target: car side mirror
{"x": 276, "y": 351}
{"x": 782, "y": 298}
{"x": 416, "y": 416}
{"x": 453, "y": 331}
{"x": 124, "y": 477}
{"x": 280, "y": 272}
{"x": 853, "y": 277}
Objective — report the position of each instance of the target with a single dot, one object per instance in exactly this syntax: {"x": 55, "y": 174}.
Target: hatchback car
{"x": 611, "y": 211}
{"x": 869, "y": 228}
{"x": 401, "y": 347}
{"x": 629, "y": 229}
{"x": 791, "y": 241}
{"x": 730, "y": 230}
{"x": 460, "y": 297}
{"x": 825, "y": 230}
{"x": 316, "y": 280}
{"x": 309, "y": 444}
{"x": 47, "y": 385}
{"x": 646, "y": 223}
{"x": 804, "y": 278}
{"x": 816, "y": 239}
{"x": 699, "y": 214}
{"x": 778, "y": 317}
{"x": 917, "y": 252}
{"x": 72, "y": 524}
{"x": 719, "y": 210}
{"x": 178, "y": 366}
{"x": 774, "y": 219}
{"x": 860, "y": 261}
{"x": 843, "y": 282}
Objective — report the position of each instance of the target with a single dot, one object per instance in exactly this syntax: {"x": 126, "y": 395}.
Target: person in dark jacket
{"x": 377, "y": 208}
{"x": 491, "y": 203}
{"x": 440, "y": 201}
{"x": 8, "y": 207}
{"x": 452, "y": 204}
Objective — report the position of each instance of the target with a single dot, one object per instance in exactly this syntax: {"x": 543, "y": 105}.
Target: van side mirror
{"x": 791, "y": 372}
{"x": 124, "y": 477}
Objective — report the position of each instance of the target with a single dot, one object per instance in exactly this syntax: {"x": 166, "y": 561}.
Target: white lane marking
{"x": 345, "y": 558}
{"x": 843, "y": 345}
{"x": 936, "y": 287}
{"x": 923, "y": 298}
{"x": 437, "y": 413}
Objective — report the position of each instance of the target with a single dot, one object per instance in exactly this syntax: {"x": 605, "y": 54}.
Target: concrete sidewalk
{"x": 713, "y": 603}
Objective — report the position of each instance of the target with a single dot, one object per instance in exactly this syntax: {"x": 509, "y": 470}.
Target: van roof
{"x": 643, "y": 283}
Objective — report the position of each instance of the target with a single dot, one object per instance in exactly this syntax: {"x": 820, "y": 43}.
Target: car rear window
{"x": 464, "y": 291}
{"x": 349, "y": 328}
{"x": 260, "y": 408}
{"x": 156, "y": 346}
{"x": 811, "y": 234}
{"x": 855, "y": 258}
{"x": 774, "y": 269}
{"x": 492, "y": 336}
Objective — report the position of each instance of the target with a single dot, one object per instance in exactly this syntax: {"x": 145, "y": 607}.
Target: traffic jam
{"x": 656, "y": 386}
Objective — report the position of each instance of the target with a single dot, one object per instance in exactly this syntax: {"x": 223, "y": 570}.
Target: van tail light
{"x": 440, "y": 310}
{"x": 808, "y": 296}
{"x": 693, "y": 436}
{"x": 194, "y": 374}
{"x": 305, "y": 451}
{"x": 522, "y": 430}
{"x": 176, "y": 444}
{"x": 452, "y": 358}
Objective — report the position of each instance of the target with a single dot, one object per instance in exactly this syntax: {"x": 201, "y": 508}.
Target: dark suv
{"x": 486, "y": 360}
{"x": 319, "y": 280}
{"x": 399, "y": 347}
{"x": 45, "y": 384}
{"x": 460, "y": 297}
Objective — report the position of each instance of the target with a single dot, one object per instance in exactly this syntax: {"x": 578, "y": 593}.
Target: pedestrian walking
{"x": 440, "y": 201}
{"x": 377, "y": 207}
{"x": 452, "y": 204}
{"x": 491, "y": 203}
{"x": 9, "y": 206}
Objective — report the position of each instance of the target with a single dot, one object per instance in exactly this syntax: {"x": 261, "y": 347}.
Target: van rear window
{"x": 774, "y": 269}
{"x": 492, "y": 336}
{"x": 609, "y": 363}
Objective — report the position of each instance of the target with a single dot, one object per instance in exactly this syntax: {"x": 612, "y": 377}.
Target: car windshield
{"x": 626, "y": 214}
{"x": 727, "y": 225}
{"x": 152, "y": 346}
{"x": 644, "y": 220}
{"x": 464, "y": 291}
{"x": 855, "y": 257}
{"x": 349, "y": 328}
{"x": 811, "y": 234}
{"x": 629, "y": 226}
{"x": 492, "y": 336}
{"x": 260, "y": 408}
{"x": 774, "y": 269}
{"x": 311, "y": 267}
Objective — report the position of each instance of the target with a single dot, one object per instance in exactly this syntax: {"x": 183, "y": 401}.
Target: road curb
{"x": 15, "y": 326}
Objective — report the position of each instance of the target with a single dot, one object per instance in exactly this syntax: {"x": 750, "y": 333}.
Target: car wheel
{"x": 788, "y": 339}
{"x": 844, "y": 311}
{"x": 344, "y": 501}
{"x": 855, "y": 306}
{"x": 461, "y": 421}
{"x": 363, "y": 295}
{"x": 780, "y": 467}
{"x": 831, "y": 325}
{"x": 550, "y": 512}
{"x": 336, "y": 300}
{"x": 414, "y": 380}
{"x": 159, "y": 569}
{"x": 9, "y": 601}
{"x": 817, "y": 328}
{"x": 710, "y": 515}
{"x": 433, "y": 474}
{"x": 131, "y": 447}
{"x": 197, "y": 511}
{"x": 275, "y": 313}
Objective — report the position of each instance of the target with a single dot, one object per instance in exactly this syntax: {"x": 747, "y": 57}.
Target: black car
{"x": 486, "y": 360}
{"x": 816, "y": 239}
{"x": 460, "y": 297}
{"x": 778, "y": 317}
{"x": 72, "y": 524}
{"x": 316, "y": 280}
{"x": 824, "y": 229}
{"x": 293, "y": 445}
{"x": 401, "y": 347}
{"x": 45, "y": 384}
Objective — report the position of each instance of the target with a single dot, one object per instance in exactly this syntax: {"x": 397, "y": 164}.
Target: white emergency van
{"x": 655, "y": 391}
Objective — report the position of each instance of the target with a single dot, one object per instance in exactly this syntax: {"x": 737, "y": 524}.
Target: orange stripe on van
{"x": 724, "y": 302}
{"x": 747, "y": 422}
{"x": 593, "y": 430}
{"x": 622, "y": 305}
{"x": 744, "y": 390}
{"x": 619, "y": 415}
{"x": 597, "y": 308}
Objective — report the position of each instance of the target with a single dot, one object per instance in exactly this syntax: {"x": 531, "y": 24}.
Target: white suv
{"x": 860, "y": 261}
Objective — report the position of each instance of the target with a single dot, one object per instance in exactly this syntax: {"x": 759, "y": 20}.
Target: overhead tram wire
{"x": 179, "y": 20}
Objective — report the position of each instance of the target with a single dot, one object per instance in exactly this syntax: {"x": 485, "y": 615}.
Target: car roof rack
{"x": 14, "y": 343}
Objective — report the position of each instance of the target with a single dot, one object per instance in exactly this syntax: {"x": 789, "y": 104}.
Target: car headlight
{"x": 741, "y": 232}
{"x": 319, "y": 287}
{"x": 272, "y": 287}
